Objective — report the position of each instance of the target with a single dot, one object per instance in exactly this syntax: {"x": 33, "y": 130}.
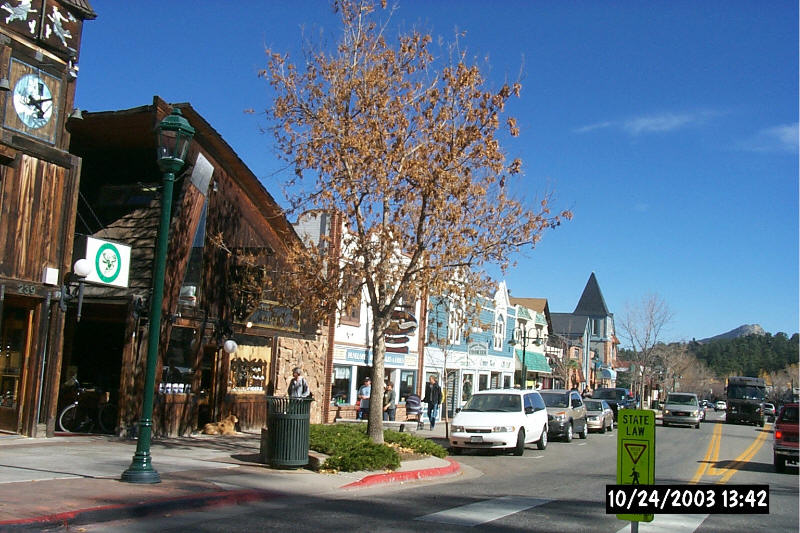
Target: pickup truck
{"x": 784, "y": 446}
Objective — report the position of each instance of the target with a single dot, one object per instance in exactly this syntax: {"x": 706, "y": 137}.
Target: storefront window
{"x": 408, "y": 383}
{"x": 250, "y": 368}
{"x": 483, "y": 382}
{"x": 466, "y": 388}
{"x": 177, "y": 373}
{"x": 340, "y": 387}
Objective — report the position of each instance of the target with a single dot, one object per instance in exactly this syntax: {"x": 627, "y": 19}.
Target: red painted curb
{"x": 391, "y": 477}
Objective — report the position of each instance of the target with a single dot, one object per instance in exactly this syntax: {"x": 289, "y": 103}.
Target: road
{"x": 558, "y": 489}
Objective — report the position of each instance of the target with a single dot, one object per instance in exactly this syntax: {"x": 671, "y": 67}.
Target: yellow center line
{"x": 713, "y": 448}
{"x": 711, "y": 457}
{"x": 746, "y": 455}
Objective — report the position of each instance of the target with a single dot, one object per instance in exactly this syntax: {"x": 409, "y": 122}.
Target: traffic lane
{"x": 784, "y": 499}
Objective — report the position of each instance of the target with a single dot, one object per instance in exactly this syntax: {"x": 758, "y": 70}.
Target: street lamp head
{"x": 230, "y": 346}
{"x": 174, "y": 135}
{"x": 82, "y": 268}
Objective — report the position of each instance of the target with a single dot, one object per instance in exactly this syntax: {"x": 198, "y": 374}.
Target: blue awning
{"x": 607, "y": 373}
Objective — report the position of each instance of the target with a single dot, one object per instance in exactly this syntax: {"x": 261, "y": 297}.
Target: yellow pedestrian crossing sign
{"x": 636, "y": 452}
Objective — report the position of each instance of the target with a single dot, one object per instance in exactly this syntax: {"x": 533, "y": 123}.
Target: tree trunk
{"x": 375, "y": 422}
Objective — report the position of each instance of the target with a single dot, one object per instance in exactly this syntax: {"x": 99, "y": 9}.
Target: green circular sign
{"x": 108, "y": 263}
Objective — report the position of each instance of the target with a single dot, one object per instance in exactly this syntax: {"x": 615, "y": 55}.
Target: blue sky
{"x": 670, "y": 129}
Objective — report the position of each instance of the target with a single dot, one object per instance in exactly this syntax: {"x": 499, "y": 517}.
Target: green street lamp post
{"x": 523, "y": 336}
{"x": 174, "y": 135}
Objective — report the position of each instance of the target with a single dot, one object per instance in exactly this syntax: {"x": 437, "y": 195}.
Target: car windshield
{"x": 493, "y": 402}
{"x": 609, "y": 394}
{"x": 554, "y": 399}
{"x": 593, "y": 405}
{"x": 682, "y": 399}
{"x": 745, "y": 392}
{"x": 789, "y": 414}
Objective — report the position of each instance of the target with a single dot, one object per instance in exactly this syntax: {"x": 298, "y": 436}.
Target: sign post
{"x": 636, "y": 454}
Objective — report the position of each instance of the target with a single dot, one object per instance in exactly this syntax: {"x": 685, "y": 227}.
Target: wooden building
{"x": 226, "y": 233}
{"x": 39, "y": 48}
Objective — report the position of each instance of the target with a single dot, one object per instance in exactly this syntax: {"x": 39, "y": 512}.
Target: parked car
{"x": 682, "y": 408}
{"x": 769, "y": 410}
{"x": 566, "y": 414}
{"x": 784, "y": 444}
{"x": 500, "y": 418}
{"x": 601, "y": 417}
{"x": 616, "y": 397}
{"x": 720, "y": 406}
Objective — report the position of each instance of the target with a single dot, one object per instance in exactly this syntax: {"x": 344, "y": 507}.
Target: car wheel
{"x": 610, "y": 427}
{"x": 568, "y": 433}
{"x": 585, "y": 433}
{"x": 697, "y": 426}
{"x": 519, "y": 449}
{"x": 542, "y": 442}
{"x": 779, "y": 462}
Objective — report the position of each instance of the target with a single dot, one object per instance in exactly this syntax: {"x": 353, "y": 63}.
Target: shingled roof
{"x": 81, "y": 6}
{"x": 568, "y": 324}
{"x": 592, "y": 302}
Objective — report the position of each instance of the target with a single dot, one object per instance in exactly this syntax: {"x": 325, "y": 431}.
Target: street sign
{"x": 636, "y": 452}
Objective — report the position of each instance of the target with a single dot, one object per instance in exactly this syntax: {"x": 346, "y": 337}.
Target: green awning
{"x": 535, "y": 362}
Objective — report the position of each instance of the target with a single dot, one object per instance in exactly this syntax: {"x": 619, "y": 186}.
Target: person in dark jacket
{"x": 433, "y": 397}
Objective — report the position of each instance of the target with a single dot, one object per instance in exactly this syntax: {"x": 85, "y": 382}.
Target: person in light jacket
{"x": 433, "y": 397}
{"x": 298, "y": 387}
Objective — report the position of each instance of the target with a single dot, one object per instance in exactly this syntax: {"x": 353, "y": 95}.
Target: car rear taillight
{"x": 778, "y": 434}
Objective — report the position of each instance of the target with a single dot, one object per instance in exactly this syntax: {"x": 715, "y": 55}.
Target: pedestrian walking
{"x": 389, "y": 405}
{"x": 363, "y": 396}
{"x": 298, "y": 387}
{"x": 433, "y": 397}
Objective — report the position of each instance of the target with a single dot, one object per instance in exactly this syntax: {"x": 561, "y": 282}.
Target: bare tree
{"x": 406, "y": 149}
{"x": 642, "y": 324}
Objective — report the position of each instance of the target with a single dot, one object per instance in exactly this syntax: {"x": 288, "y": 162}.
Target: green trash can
{"x": 287, "y": 431}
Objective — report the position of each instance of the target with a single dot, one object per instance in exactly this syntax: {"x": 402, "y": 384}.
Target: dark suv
{"x": 566, "y": 413}
{"x": 617, "y": 398}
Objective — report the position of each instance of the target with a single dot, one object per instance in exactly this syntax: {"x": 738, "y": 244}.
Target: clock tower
{"x": 39, "y": 178}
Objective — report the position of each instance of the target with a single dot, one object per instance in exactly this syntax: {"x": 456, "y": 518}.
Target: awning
{"x": 607, "y": 373}
{"x": 535, "y": 362}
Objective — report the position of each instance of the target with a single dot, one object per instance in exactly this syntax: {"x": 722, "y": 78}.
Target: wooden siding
{"x": 38, "y": 199}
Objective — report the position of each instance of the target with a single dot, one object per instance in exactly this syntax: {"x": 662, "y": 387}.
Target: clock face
{"x": 33, "y": 105}
{"x": 33, "y": 101}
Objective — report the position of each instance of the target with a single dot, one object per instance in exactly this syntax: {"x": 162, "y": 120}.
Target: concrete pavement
{"x": 72, "y": 480}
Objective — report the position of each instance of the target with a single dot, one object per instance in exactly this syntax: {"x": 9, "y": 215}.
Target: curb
{"x": 411, "y": 475}
{"x": 109, "y": 513}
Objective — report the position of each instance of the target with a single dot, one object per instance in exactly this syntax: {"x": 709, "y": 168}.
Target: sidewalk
{"x": 67, "y": 481}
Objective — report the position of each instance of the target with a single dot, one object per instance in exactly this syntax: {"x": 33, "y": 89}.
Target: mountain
{"x": 741, "y": 331}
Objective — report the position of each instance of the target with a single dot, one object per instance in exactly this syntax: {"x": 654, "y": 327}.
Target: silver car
{"x": 600, "y": 416}
{"x": 682, "y": 408}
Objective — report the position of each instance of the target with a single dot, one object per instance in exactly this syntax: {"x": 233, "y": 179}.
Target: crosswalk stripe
{"x": 485, "y": 511}
{"x": 669, "y": 523}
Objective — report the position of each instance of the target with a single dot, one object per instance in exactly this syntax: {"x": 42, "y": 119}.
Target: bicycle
{"x": 88, "y": 407}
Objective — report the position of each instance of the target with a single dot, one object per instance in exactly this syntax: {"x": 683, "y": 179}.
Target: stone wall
{"x": 310, "y": 356}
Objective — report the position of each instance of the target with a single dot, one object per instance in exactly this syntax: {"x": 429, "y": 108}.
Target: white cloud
{"x": 656, "y": 123}
{"x": 782, "y": 138}
{"x": 592, "y": 127}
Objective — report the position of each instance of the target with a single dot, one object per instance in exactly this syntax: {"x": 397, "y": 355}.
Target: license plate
{"x": 476, "y": 439}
